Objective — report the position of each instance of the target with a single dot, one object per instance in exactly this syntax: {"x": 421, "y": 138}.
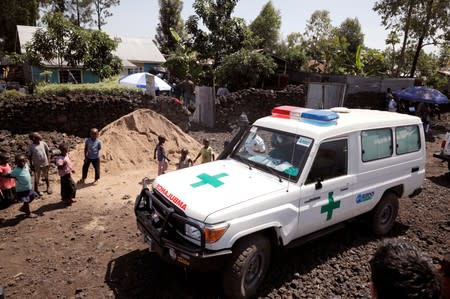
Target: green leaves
{"x": 62, "y": 42}
{"x": 100, "y": 59}
{"x": 245, "y": 69}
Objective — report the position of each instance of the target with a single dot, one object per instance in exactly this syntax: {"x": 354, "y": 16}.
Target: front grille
{"x": 174, "y": 223}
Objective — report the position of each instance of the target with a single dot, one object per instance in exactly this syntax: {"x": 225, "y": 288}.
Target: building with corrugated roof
{"x": 137, "y": 55}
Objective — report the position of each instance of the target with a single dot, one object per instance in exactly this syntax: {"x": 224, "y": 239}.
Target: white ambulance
{"x": 293, "y": 176}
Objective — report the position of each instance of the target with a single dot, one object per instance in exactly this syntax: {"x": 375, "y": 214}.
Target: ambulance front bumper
{"x": 160, "y": 226}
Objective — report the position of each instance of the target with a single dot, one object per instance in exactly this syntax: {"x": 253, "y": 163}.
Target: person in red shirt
{"x": 7, "y": 185}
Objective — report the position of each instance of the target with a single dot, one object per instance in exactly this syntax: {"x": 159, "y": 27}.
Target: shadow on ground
{"x": 141, "y": 274}
{"x": 40, "y": 211}
{"x": 441, "y": 180}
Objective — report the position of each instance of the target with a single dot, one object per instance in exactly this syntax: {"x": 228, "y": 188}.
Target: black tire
{"x": 247, "y": 268}
{"x": 382, "y": 218}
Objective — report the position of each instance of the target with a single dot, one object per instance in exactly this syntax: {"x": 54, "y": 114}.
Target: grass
{"x": 107, "y": 86}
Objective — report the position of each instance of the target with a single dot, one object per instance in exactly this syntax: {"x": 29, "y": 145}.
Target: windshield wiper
{"x": 243, "y": 160}
{"x": 274, "y": 172}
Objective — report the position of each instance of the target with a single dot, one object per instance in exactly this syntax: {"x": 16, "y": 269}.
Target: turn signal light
{"x": 213, "y": 234}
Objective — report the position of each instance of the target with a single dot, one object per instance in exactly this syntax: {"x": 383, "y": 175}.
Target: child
{"x": 206, "y": 152}
{"x": 39, "y": 161}
{"x": 24, "y": 191}
{"x": 92, "y": 147}
{"x": 7, "y": 185}
{"x": 160, "y": 153}
{"x": 65, "y": 168}
{"x": 185, "y": 160}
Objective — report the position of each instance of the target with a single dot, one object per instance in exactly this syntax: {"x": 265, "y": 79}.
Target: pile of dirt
{"x": 129, "y": 142}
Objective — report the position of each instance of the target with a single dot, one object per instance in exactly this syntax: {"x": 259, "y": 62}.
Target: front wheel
{"x": 247, "y": 268}
{"x": 382, "y": 217}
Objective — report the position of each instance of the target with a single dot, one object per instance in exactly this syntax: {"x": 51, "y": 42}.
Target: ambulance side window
{"x": 331, "y": 161}
{"x": 376, "y": 144}
{"x": 408, "y": 139}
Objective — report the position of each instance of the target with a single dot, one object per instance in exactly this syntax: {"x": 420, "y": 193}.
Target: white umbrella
{"x": 137, "y": 80}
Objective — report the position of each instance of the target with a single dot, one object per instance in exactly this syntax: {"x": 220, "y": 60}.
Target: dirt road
{"x": 92, "y": 249}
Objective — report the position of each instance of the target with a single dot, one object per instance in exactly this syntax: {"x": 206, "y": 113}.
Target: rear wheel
{"x": 382, "y": 217}
{"x": 247, "y": 268}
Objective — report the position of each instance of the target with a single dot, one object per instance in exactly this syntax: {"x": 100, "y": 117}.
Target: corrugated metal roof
{"x": 138, "y": 50}
{"x": 25, "y": 34}
{"x": 130, "y": 49}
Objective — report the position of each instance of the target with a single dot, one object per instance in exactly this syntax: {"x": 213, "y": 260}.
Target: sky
{"x": 139, "y": 18}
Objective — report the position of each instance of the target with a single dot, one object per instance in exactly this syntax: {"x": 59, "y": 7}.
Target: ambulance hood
{"x": 207, "y": 188}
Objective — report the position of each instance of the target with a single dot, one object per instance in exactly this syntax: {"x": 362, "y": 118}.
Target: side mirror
{"x": 319, "y": 183}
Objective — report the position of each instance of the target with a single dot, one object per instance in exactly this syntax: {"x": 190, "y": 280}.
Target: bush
{"x": 108, "y": 86}
{"x": 11, "y": 93}
{"x": 244, "y": 69}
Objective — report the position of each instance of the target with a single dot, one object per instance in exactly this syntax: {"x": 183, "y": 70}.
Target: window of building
{"x": 70, "y": 76}
{"x": 331, "y": 161}
{"x": 376, "y": 144}
{"x": 408, "y": 139}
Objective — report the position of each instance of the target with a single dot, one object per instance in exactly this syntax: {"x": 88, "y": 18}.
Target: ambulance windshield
{"x": 271, "y": 150}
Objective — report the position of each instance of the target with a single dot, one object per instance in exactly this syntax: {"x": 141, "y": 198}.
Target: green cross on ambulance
{"x": 293, "y": 176}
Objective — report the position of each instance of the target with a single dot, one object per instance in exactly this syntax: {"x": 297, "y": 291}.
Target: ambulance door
{"x": 326, "y": 195}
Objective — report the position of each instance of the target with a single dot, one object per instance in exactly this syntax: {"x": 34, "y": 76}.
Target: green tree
{"x": 423, "y": 22}
{"x": 169, "y": 19}
{"x": 80, "y": 12}
{"x": 102, "y": 11}
{"x": 293, "y": 51}
{"x": 60, "y": 42}
{"x": 224, "y": 35}
{"x": 100, "y": 58}
{"x": 431, "y": 27}
{"x": 245, "y": 69}
{"x": 54, "y": 5}
{"x": 318, "y": 34}
{"x": 266, "y": 27}
{"x": 13, "y": 13}
{"x": 374, "y": 63}
{"x": 392, "y": 40}
{"x": 351, "y": 30}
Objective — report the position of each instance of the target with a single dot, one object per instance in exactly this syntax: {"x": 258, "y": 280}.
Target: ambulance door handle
{"x": 312, "y": 199}
{"x": 415, "y": 169}
{"x": 344, "y": 189}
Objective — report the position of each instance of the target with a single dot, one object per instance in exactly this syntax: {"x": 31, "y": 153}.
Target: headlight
{"x": 212, "y": 232}
{"x": 192, "y": 232}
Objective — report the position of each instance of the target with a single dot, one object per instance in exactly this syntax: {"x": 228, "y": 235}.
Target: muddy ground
{"x": 93, "y": 249}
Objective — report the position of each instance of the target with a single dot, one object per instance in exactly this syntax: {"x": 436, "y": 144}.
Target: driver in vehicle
{"x": 255, "y": 145}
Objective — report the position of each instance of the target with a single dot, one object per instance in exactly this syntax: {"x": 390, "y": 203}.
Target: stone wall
{"x": 76, "y": 113}
{"x": 256, "y": 103}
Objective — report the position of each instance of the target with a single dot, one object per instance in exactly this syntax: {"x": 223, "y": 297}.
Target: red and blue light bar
{"x": 325, "y": 117}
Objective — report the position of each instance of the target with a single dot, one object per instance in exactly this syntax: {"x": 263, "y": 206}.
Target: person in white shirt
{"x": 392, "y": 105}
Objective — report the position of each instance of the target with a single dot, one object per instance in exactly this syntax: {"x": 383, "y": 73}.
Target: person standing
{"x": 206, "y": 152}
{"x": 92, "y": 147}
{"x": 423, "y": 111}
{"x": 388, "y": 97}
{"x": 185, "y": 160}
{"x": 160, "y": 154}
{"x": 65, "y": 169}
{"x": 24, "y": 190}
{"x": 38, "y": 153}
{"x": 7, "y": 185}
{"x": 188, "y": 91}
{"x": 392, "y": 105}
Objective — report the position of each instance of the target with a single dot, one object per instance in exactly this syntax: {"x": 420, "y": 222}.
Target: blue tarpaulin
{"x": 421, "y": 94}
